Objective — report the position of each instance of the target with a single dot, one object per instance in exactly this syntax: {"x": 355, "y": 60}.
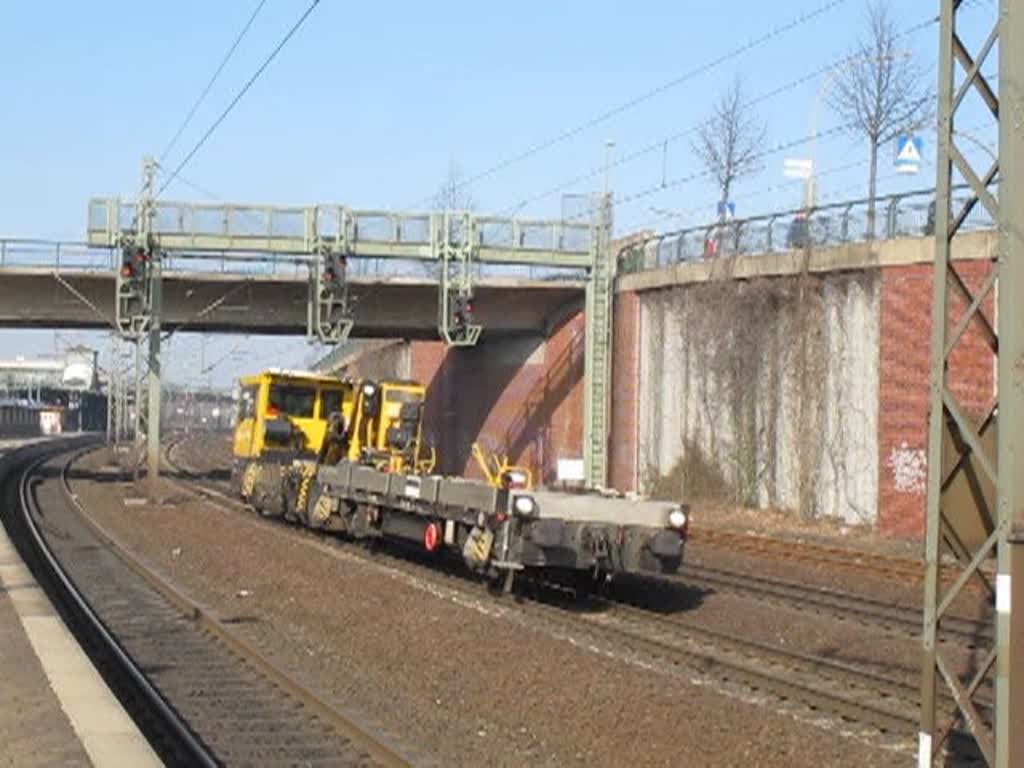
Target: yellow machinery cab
{"x": 286, "y": 413}
{"x": 387, "y": 429}
{"x": 289, "y": 423}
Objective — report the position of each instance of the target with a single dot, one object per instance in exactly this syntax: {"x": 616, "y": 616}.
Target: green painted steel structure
{"x": 454, "y": 246}
{"x": 976, "y": 464}
{"x": 598, "y": 348}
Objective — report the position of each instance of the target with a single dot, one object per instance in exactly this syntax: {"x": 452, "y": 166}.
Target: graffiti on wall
{"x": 909, "y": 467}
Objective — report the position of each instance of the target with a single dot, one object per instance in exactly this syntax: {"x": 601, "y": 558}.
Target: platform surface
{"x": 55, "y": 708}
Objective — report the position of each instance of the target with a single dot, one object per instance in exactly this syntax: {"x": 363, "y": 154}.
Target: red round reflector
{"x": 431, "y": 537}
{"x": 126, "y": 270}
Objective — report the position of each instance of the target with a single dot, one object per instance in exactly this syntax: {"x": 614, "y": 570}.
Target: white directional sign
{"x": 908, "y": 153}
{"x": 797, "y": 168}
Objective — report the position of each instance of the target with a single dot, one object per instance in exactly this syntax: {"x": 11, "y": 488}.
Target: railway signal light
{"x": 462, "y": 313}
{"x": 333, "y": 277}
{"x": 457, "y": 325}
{"x": 331, "y": 321}
{"x": 134, "y": 263}
{"x": 133, "y": 295}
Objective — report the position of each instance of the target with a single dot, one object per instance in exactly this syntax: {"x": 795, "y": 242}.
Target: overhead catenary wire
{"x": 793, "y": 183}
{"x": 661, "y": 144}
{"x": 238, "y": 97}
{"x": 684, "y": 214}
{"x": 734, "y": 53}
{"x": 209, "y": 85}
{"x": 696, "y": 175}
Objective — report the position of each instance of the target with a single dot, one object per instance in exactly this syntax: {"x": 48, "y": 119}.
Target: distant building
{"x": 75, "y": 371}
{"x": 67, "y": 384}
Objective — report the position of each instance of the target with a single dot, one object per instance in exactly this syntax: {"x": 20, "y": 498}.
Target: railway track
{"x": 839, "y": 604}
{"x": 846, "y": 692}
{"x": 199, "y": 691}
{"x": 885, "y": 567}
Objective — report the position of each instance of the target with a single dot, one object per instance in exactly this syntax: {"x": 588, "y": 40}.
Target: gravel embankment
{"x": 464, "y": 679}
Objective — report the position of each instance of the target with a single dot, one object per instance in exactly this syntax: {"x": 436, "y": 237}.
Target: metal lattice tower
{"x": 976, "y": 465}
{"x": 597, "y": 359}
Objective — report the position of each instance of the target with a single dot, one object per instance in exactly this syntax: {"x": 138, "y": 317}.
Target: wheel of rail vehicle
{"x": 297, "y": 483}
{"x": 316, "y": 507}
{"x": 500, "y": 581}
{"x": 248, "y": 482}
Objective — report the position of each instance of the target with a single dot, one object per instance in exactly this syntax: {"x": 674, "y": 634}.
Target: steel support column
{"x": 153, "y": 405}
{"x": 975, "y": 452}
{"x": 138, "y": 423}
{"x": 110, "y": 393}
{"x": 598, "y": 343}
{"x": 1009, "y": 716}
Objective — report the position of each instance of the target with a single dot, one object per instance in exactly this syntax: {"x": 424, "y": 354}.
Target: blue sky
{"x": 371, "y": 102}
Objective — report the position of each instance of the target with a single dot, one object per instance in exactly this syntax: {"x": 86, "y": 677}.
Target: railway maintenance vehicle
{"x": 349, "y": 456}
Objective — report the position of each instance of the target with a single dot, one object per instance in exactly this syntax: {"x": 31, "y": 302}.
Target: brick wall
{"x": 379, "y": 360}
{"x": 521, "y": 396}
{"x": 625, "y": 398}
{"x": 904, "y": 371}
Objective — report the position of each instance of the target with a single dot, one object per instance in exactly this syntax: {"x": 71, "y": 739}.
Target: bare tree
{"x": 880, "y": 92}
{"x": 730, "y": 141}
{"x": 454, "y": 194}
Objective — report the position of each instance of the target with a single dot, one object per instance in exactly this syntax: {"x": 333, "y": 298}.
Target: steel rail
{"x": 70, "y": 596}
{"x": 788, "y": 675}
{"x": 346, "y": 723}
{"x": 847, "y": 606}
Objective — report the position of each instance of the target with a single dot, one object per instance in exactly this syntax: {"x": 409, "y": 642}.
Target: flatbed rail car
{"x": 347, "y": 456}
{"x": 499, "y": 529}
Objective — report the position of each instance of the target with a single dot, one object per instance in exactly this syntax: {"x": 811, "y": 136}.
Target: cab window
{"x": 330, "y": 402}
{"x": 247, "y": 402}
{"x": 403, "y": 396}
{"x": 288, "y": 400}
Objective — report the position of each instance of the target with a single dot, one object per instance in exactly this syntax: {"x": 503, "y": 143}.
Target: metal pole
{"x": 974, "y": 502}
{"x": 1009, "y": 726}
{"x": 153, "y": 417}
{"x": 137, "y": 423}
{"x": 110, "y": 391}
{"x": 597, "y": 349}
{"x": 119, "y": 413}
{"x": 929, "y": 675}
{"x": 122, "y": 390}
{"x": 609, "y": 145}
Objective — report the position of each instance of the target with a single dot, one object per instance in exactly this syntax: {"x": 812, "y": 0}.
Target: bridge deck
{"x": 384, "y": 307}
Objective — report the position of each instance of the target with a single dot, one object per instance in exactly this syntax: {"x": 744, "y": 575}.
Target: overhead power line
{"x": 660, "y": 144}
{"x": 770, "y": 189}
{"x": 798, "y": 182}
{"x": 238, "y": 97}
{"x": 209, "y": 85}
{"x": 734, "y": 53}
{"x": 697, "y": 175}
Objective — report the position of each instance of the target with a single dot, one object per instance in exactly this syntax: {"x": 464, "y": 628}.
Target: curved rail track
{"x": 197, "y": 689}
{"x": 167, "y": 731}
{"x": 847, "y": 692}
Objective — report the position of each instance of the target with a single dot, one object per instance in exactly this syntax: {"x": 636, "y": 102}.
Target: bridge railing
{"x": 55, "y": 254}
{"x": 227, "y": 227}
{"x": 909, "y": 214}
{"x": 64, "y": 256}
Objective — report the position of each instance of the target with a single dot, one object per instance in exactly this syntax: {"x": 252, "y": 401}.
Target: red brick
{"x": 904, "y": 376}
